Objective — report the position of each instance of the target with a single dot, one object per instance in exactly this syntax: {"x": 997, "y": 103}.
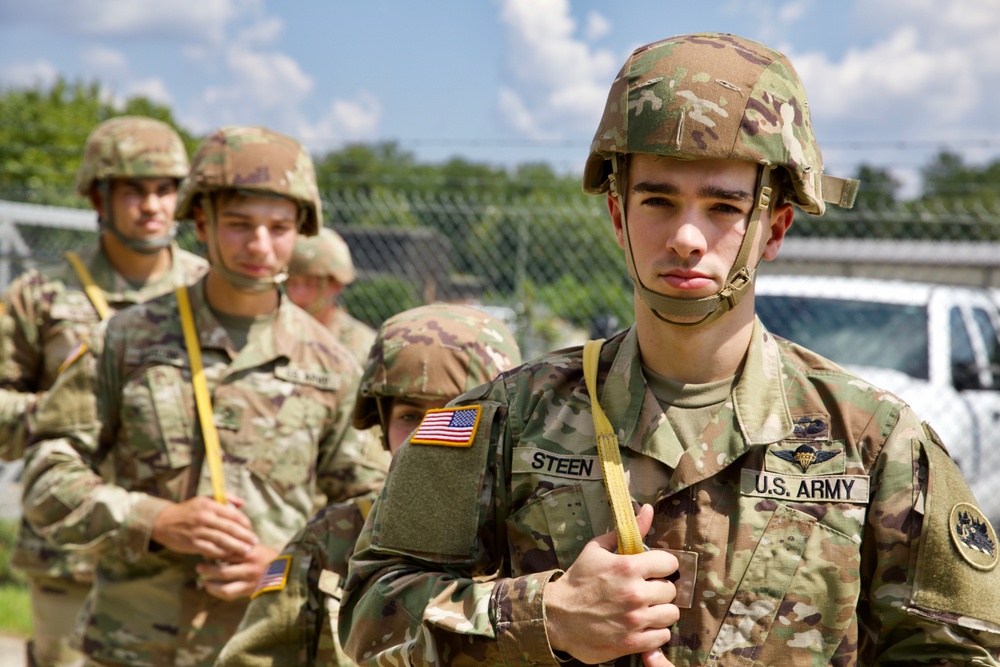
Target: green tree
{"x": 43, "y": 131}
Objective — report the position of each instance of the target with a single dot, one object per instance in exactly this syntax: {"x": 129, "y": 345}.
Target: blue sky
{"x": 507, "y": 81}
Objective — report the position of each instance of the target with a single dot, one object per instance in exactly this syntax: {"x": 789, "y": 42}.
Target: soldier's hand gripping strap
{"x": 90, "y": 287}
{"x": 629, "y": 540}
{"x": 213, "y": 451}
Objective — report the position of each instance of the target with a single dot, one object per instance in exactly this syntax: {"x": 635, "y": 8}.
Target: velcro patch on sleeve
{"x": 956, "y": 568}
{"x": 432, "y": 499}
{"x": 450, "y": 427}
{"x": 275, "y": 576}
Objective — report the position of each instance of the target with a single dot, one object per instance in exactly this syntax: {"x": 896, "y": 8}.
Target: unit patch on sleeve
{"x": 973, "y": 536}
{"x": 802, "y": 488}
{"x": 451, "y": 427}
{"x": 275, "y": 576}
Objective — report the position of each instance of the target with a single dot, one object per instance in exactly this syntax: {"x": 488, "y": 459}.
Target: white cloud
{"x": 597, "y": 26}
{"x": 345, "y": 121}
{"x": 105, "y": 61}
{"x": 38, "y": 73}
{"x": 519, "y": 116}
{"x": 153, "y": 88}
{"x": 263, "y": 32}
{"x": 186, "y": 20}
{"x": 557, "y": 82}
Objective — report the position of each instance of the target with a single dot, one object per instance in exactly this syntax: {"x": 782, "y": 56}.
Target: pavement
{"x": 12, "y": 652}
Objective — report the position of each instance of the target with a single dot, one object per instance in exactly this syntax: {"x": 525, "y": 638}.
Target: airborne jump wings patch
{"x": 451, "y": 427}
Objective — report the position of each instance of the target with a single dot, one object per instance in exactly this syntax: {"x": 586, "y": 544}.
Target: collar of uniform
{"x": 259, "y": 350}
{"x": 117, "y": 290}
{"x": 759, "y": 400}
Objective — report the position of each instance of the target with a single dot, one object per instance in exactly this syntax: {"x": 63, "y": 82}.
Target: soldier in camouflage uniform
{"x": 421, "y": 359}
{"x": 792, "y": 514}
{"x": 320, "y": 270}
{"x": 176, "y": 566}
{"x": 130, "y": 171}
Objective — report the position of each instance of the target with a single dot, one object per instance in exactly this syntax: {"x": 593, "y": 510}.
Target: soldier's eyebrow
{"x": 705, "y": 191}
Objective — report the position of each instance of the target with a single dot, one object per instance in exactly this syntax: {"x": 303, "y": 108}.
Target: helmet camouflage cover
{"x": 255, "y": 160}
{"x": 131, "y": 147}
{"x": 435, "y": 352}
{"x": 714, "y": 96}
{"x": 325, "y": 254}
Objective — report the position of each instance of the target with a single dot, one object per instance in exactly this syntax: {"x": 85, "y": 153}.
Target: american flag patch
{"x": 274, "y": 577}
{"x": 452, "y": 427}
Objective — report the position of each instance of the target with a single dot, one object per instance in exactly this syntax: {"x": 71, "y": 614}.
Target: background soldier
{"x": 202, "y": 488}
{"x": 320, "y": 270}
{"x": 793, "y": 514}
{"x": 130, "y": 171}
{"x": 422, "y": 358}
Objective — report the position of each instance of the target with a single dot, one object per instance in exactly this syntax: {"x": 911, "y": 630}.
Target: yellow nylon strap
{"x": 213, "y": 451}
{"x": 629, "y": 540}
{"x": 93, "y": 292}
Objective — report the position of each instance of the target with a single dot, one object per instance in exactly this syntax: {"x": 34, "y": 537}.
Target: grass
{"x": 15, "y": 610}
{"x": 15, "y": 602}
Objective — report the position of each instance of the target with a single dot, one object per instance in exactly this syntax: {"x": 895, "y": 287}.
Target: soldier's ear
{"x": 200, "y": 222}
{"x": 97, "y": 201}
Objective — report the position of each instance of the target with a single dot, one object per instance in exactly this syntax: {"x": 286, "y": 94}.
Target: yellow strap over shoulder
{"x": 213, "y": 451}
{"x": 629, "y": 540}
{"x": 94, "y": 293}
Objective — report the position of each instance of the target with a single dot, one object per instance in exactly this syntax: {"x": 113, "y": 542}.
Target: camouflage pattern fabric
{"x": 356, "y": 336}
{"x": 46, "y": 315}
{"x": 786, "y": 558}
{"x": 323, "y": 255}
{"x": 103, "y": 469}
{"x": 131, "y": 147}
{"x": 710, "y": 96}
{"x": 297, "y": 625}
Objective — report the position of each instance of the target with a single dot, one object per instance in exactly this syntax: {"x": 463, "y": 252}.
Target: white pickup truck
{"x": 935, "y": 346}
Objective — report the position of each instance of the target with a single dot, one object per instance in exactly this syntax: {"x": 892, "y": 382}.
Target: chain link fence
{"x": 552, "y": 269}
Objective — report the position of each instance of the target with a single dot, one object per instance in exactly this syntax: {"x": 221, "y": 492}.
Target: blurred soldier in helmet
{"x": 692, "y": 491}
{"x": 421, "y": 359}
{"x": 321, "y": 267}
{"x": 222, "y": 411}
{"x": 130, "y": 171}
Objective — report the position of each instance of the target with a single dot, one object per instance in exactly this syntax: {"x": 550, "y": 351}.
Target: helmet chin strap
{"x": 106, "y": 223}
{"x": 741, "y": 274}
{"x": 237, "y": 280}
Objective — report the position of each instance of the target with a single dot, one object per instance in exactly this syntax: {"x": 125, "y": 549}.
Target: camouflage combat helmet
{"x": 712, "y": 96}
{"x": 433, "y": 352}
{"x": 254, "y": 161}
{"x": 130, "y": 147}
{"x": 258, "y": 161}
{"x": 323, "y": 255}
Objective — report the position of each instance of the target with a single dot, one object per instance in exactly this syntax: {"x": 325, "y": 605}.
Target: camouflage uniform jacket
{"x": 295, "y": 624}
{"x": 46, "y": 314}
{"x": 814, "y": 521}
{"x": 353, "y": 334}
{"x": 282, "y": 406}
